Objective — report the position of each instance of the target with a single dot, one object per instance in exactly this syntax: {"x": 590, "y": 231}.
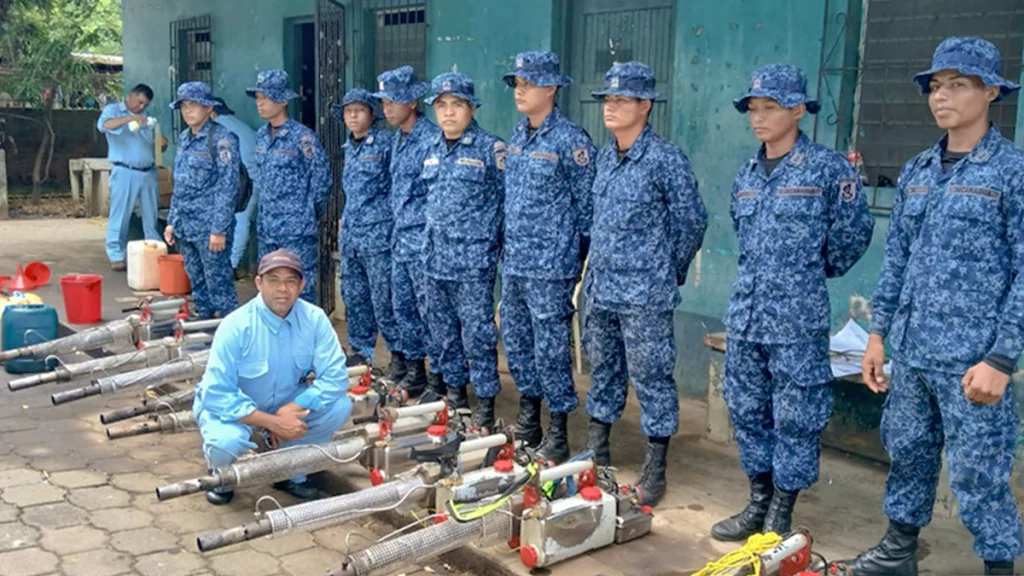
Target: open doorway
{"x": 301, "y": 59}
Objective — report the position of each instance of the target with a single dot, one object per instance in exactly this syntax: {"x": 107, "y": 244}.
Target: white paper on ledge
{"x": 846, "y": 350}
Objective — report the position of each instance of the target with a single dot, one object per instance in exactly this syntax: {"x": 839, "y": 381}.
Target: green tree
{"x": 38, "y": 38}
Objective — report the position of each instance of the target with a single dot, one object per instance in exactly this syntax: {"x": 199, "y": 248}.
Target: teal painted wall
{"x": 247, "y": 37}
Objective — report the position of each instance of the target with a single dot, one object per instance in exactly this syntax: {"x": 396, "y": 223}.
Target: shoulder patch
{"x": 225, "y": 155}
{"x": 847, "y": 189}
{"x": 499, "y": 155}
{"x": 581, "y": 156}
{"x": 307, "y": 143}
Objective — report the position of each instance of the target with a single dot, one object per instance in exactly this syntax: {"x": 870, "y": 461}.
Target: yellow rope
{"x": 748, "y": 555}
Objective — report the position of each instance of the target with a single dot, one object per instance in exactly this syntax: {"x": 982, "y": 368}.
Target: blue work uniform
{"x": 465, "y": 192}
{"x": 649, "y": 222}
{"x": 805, "y": 221}
{"x": 950, "y": 296}
{"x": 260, "y": 361}
{"x": 548, "y": 210}
{"x": 205, "y": 191}
{"x": 365, "y": 242}
{"x": 409, "y": 206}
{"x": 295, "y": 184}
{"x": 247, "y": 147}
{"x": 132, "y": 179}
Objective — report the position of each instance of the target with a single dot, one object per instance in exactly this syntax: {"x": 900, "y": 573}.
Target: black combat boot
{"x": 483, "y": 416}
{"x": 780, "y": 513}
{"x": 597, "y": 442}
{"x": 415, "y": 381}
{"x": 528, "y": 423}
{"x": 398, "y": 368}
{"x": 751, "y": 520}
{"x": 651, "y": 486}
{"x": 997, "y": 567}
{"x": 555, "y": 446}
{"x": 895, "y": 555}
{"x": 458, "y": 398}
{"x": 220, "y": 496}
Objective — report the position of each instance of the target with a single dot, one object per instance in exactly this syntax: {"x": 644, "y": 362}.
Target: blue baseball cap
{"x": 275, "y": 85}
{"x": 538, "y": 68}
{"x": 970, "y": 57}
{"x": 630, "y": 79}
{"x": 784, "y": 83}
{"x": 198, "y": 92}
{"x": 400, "y": 85}
{"x": 456, "y": 84}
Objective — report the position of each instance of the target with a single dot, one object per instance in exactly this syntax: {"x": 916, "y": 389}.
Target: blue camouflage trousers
{"x": 224, "y": 442}
{"x": 409, "y": 301}
{"x": 926, "y": 410}
{"x": 637, "y": 346}
{"x": 460, "y": 314}
{"x": 211, "y": 275}
{"x": 780, "y": 399}
{"x": 307, "y": 248}
{"x": 536, "y": 318}
{"x": 366, "y": 289}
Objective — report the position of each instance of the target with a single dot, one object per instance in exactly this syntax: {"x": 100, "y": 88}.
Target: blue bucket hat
{"x": 630, "y": 79}
{"x": 400, "y": 85}
{"x": 970, "y": 57}
{"x": 357, "y": 96}
{"x": 198, "y": 92}
{"x": 275, "y": 85}
{"x": 456, "y": 84}
{"x": 784, "y": 83}
{"x": 538, "y": 68}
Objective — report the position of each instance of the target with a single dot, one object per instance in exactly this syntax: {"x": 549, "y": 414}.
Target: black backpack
{"x": 244, "y": 182}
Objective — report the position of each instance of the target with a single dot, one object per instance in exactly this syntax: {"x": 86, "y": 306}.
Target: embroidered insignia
{"x": 447, "y": 85}
{"x": 549, "y": 156}
{"x": 847, "y": 189}
{"x": 470, "y": 162}
{"x": 614, "y": 82}
{"x": 581, "y": 155}
{"x": 757, "y": 84}
{"x": 432, "y": 161}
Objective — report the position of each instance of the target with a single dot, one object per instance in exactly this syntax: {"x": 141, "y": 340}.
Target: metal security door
{"x": 330, "y": 79}
{"x": 607, "y": 31}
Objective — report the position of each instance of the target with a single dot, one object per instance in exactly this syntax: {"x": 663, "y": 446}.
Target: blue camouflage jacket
{"x": 366, "y": 220}
{"x": 409, "y": 190}
{"x": 950, "y": 293}
{"x": 294, "y": 181}
{"x": 205, "y": 185}
{"x": 649, "y": 222}
{"x": 807, "y": 221}
{"x": 548, "y": 204}
{"x": 465, "y": 193}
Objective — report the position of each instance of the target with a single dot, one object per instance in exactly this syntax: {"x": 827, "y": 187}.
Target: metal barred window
{"x": 191, "y": 55}
{"x": 880, "y": 112}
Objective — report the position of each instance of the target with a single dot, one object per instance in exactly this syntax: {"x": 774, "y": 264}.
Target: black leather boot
{"x": 651, "y": 486}
{"x": 219, "y": 496}
{"x": 483, "y": 416}
{"x": 458, "y": 398}
{"x": 528, "y": 422}
{"x": 597, "y": 442}
{"x": 780, "y": 513}
{"x": 398, "y": 368}
{"x": 415, "y": 381}
{"x": 751, "y": 520}
{"x": 435, "y": 384}
{"x": 555, "y": 446}
{"x": 1000, "y": 568}
{"x": 895, "y": 555}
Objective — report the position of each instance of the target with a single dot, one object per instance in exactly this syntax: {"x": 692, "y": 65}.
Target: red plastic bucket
{"x": 83, "y": 298}
{"x": 173, "y": 279}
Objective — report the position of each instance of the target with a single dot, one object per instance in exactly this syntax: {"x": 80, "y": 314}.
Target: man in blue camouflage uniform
{"x": 801, "y": 217}
{"x": 202, "y": 216}
{"x": 366, "y": 223}
{"x": 464, "y": 173}
{"x": 649, "y": 222}
{"x": 950, "y": 299}
{"x": 548, "y": 210}
{"x": 295, "y": 178}
{"x": 401, "y": 91}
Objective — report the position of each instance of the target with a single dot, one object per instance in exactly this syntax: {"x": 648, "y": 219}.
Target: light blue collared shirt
{"x": 124, "y": 146}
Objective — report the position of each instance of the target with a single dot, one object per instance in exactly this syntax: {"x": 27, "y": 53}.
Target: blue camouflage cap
{"x": 400, "y": 85}
{"x": 456, "y": 84}
{"x": 198, "y": 92}
{"x": 630, "y": 79}
{"x": 970, "y": 57}
{"x": 357, "y": 96}
{"x": 275, "y": 85}
{"x": 784, "y": 83}
{"x": 539, "y": 68}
